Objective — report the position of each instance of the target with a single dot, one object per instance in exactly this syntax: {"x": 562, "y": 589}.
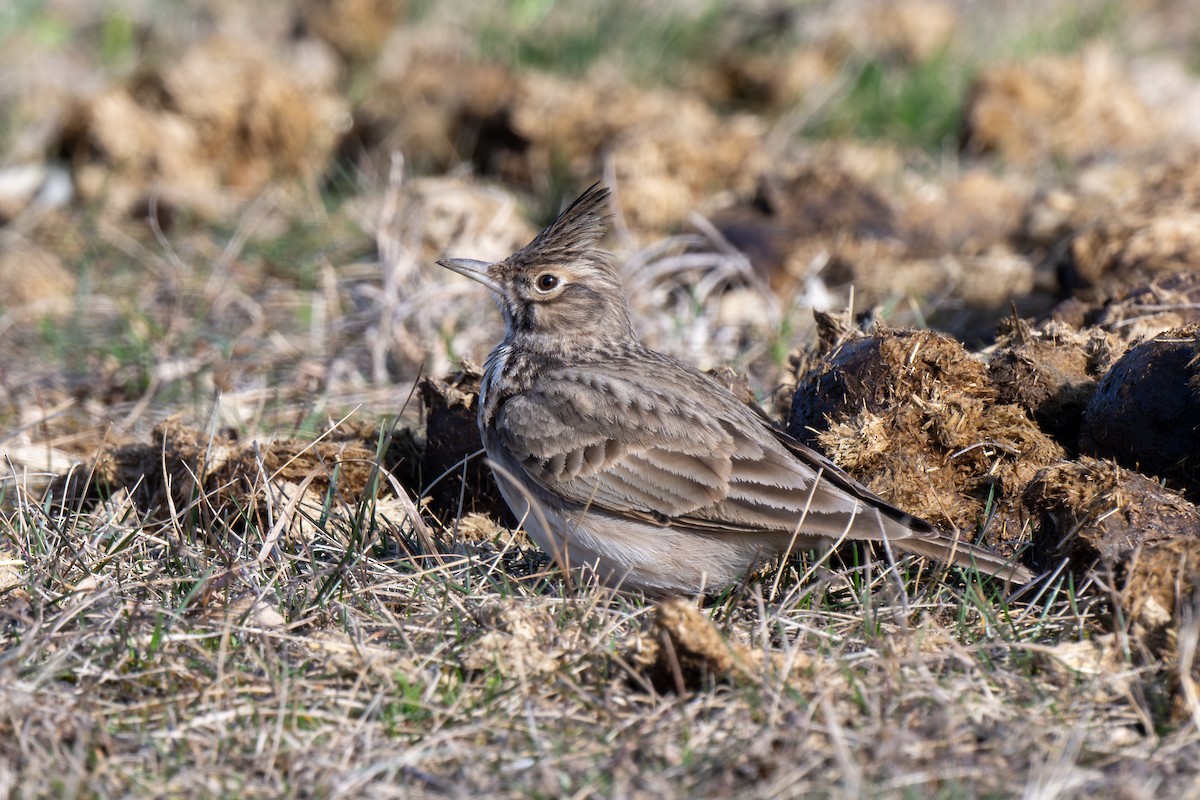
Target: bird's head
{"x": 561, "y": 283}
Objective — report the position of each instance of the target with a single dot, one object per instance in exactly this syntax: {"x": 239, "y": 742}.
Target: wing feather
{"x": 606, "y": 440}
{"x": 606, "y": 443}
{"x": 611, "y": 444}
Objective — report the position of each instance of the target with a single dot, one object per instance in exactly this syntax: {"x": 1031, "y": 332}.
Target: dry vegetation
{"x": 246, "y": 550}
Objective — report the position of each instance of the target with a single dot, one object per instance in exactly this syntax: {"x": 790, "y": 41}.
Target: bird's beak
{"x": 475, "y": 270}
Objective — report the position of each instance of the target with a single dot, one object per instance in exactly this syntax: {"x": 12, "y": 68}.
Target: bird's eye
{"x": 546, "y": 281}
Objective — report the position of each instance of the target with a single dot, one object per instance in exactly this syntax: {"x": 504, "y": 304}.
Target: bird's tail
{"x": 951, "y": 550}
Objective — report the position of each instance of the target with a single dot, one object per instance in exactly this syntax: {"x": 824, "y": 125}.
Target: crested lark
{"x": 630, "y": 461}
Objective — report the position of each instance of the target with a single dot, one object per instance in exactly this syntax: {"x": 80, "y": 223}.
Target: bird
{"x": 634, "y": 464}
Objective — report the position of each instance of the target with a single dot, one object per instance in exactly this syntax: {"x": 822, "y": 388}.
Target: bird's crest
{"x": 574, "y": 234}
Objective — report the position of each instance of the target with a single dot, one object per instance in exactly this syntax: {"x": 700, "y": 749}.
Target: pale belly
{"x": 631, "y": 554}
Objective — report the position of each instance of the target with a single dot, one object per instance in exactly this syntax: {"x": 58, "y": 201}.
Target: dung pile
{"x": 983, "y": 447}
{"x": 212, "y": 126}
{"x": 1143, "y": 538}
{"x": 215, "y": 475}
{"x": 1144, "y": 310}
{"x": 817, "y": 212}
{"x": 1118, "y": 378}
{"x": 1051, "y": 371}
{"x": 972, "y": 214}
{"x": 1153, "y": 229}
{"x": 918, "y": 419}
{"x": 1120, "y": 225}
{"x": 668, "y": 150}
{"x": 453, "y": 469}
{"x": 1145, "y": 412}
{"x": 1067, "y": 107}
{"x": 834, "y": 214}
{"x": 231, "y": 482}
{"x": 438, "y": 106}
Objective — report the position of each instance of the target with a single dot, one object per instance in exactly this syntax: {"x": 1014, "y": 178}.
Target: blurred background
{"x": 235, "y": 207}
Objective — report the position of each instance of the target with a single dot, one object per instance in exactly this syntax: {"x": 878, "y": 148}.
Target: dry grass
{"x": 354, "y": 655}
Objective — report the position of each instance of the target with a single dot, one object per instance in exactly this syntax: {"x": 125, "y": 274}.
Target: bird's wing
{"x": 606, "y": 441}
{"x": 611, "y": 442}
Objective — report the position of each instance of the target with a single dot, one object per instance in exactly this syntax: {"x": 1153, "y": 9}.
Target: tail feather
{"x": 963, "y": 554}
{"x": 909, "y": 533}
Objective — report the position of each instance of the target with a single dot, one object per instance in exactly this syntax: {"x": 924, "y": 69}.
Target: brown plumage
{"x": 631, "y": 461}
